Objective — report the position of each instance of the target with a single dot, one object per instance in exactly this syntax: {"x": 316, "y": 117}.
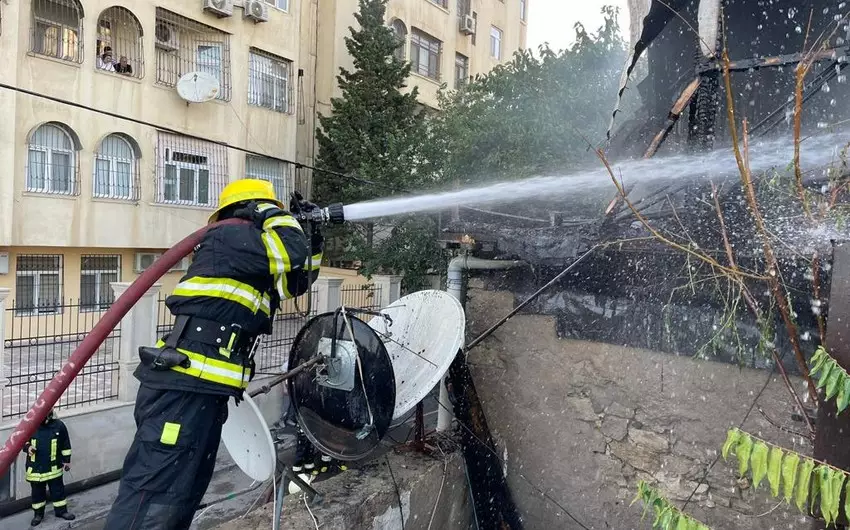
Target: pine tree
{"x": 376, "y": 132}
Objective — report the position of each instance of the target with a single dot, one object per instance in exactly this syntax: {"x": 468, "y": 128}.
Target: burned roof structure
{"x": 675, "y": 65}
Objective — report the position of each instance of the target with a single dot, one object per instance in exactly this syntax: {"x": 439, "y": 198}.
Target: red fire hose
{"x": 92, "y": 342}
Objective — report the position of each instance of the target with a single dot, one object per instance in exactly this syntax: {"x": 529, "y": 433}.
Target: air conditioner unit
{"x": 219, "y": 8}
{"x": 467, "y": 25}
{"x": 167, "y": 37}
{"x": 256, "y": 10}
{"x": 146, "y": 259}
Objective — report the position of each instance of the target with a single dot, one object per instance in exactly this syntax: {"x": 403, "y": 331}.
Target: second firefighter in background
{"x": 228, "y": 297}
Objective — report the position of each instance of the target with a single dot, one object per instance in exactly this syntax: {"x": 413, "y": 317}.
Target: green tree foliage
{"x": 377, "y": 133}
{"x": 534, "y": 114}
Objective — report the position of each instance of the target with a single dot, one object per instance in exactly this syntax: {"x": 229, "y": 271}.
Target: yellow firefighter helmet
{"x": 245, "y": 190}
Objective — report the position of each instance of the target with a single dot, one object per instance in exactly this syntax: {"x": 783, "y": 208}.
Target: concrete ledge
{"x": 367, "y": 498}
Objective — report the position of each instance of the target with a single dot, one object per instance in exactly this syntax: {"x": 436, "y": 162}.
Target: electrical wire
{"x": 307, "y": 505}
{"x": 442, "y": 483}
{"x": 397, "y": 493}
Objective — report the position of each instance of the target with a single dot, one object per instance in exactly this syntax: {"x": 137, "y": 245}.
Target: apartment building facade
{"x": 105, "y": 163}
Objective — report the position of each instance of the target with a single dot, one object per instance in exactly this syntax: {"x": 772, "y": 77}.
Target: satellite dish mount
{"x": 198, "y": 87}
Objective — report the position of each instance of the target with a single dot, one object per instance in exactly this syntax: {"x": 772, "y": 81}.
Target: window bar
{"x": 53, "y": 161}
{"x": 120, "y": 43}
{"x": 190, "y": 172}
{"x": 116, "y": 168}
{"x": 184, "y": 45}
{"x": 56, "y": 29}
{"x": 270, "y": 81}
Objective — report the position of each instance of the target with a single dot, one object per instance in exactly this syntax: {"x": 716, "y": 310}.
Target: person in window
{"x": 123, "y": 67}
{"x": 105, "y": 61}
{"x": 228, "y": 297}
{"x": 48, "y": 456}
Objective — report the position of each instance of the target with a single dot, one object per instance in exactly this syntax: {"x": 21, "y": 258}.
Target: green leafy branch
{"x": 667, "y": 516}
{"x": 801, "y": 479}
{"x": 831, "y": 377}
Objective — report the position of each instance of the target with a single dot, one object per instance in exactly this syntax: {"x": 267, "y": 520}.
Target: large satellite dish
{"x": 423, "y": 335}
{"x": 247, "y": 438}
{"x": 198, "y": 87}
{"x": 345, "y": 405}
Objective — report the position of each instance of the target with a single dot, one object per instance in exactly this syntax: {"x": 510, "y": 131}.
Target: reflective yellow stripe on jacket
{"x": 227, "y": 289}
{"x": 279, "y": 262}
{"x": 43, "y": 477}
{"x": 213, "y": 370}
{"x": 315, "y": 262}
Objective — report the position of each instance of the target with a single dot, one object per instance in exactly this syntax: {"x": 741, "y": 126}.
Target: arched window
{"x": 52, "y": 160}
{"x": 119, "y": 43}
{"x": 57, "y": 29}
{"x": 116, "y": 168}
{"x": 400, "y": 31}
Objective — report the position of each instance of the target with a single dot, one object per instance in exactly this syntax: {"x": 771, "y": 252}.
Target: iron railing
{"x": 37, "y": 345}
{"x": 365, "y": 296}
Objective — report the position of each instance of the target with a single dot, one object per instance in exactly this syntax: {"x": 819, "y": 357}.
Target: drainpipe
{"x": 456, "y": 287}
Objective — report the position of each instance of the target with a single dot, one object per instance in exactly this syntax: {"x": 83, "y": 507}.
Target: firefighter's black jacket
{"x": 239, "y": 275}
{"x": 52, "y": 451}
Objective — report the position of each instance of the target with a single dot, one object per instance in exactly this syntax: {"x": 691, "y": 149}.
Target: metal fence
{"x": 365, "y": 296}
{"x": 37, "y": 345}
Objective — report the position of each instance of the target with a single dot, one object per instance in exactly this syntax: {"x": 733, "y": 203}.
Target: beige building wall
{"x": 138, "y": 107}
{"x": 430, "y": 17}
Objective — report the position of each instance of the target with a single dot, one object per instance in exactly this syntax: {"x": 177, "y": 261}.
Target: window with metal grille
{"x": 400, "y": 31}
{"x": 116, "y": 168}
{"x": 119, "y": 43}
{"x": 184, "y": 45}
{"x": 523, "y": 6}
{"x": 425, "y": 52}
{"x": 97, "y": 272}
{"x": 463, "y": 8}
{"x": 441, "y": 3}
{"x": 190, "y": 172}
{"x": 461, "y": 70}
{"x": 283, "y": 5}
{"x": 275, "y": 171}
{"x": 52, "y": 160}
{"x": 268, "y": 81}
{"x": 57, "y": 28}
{"x": 495, "y": 43}
{"x": 475, "y": 18}
{"x": 38, "y": 284}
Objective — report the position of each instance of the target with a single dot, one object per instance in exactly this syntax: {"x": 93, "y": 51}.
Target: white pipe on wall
{"x": 454, "y": 286}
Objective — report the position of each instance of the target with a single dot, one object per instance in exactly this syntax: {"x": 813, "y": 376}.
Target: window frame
{"x": 99, "y": 305}
{"x": 113, "y": 161}
{"x": 416, "y": 37}
{"x": 461, "y": 60}
{"x": 257, "y": 76}
{"x": 203, "y": 67}
{"x": 49, "y": 187}
{"x": 196, "y": 168}
{"x": 496, "y": 37}
{"x": 274, "y": 4}
{"x": 523, "y": 10}
{"x": 35, "y": 309}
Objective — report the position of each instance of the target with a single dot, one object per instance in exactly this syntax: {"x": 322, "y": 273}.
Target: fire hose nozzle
{"x": 330, "y": 215}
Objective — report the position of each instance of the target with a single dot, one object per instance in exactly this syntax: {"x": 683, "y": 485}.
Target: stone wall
{"x": 583, "y": 422}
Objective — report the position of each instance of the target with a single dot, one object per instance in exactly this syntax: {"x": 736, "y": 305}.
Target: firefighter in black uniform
{"x": 48, "y": 456}
{"x": 228, "y": 297}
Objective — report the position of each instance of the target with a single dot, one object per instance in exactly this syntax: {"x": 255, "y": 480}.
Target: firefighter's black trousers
{"x": 57, "y": 496}
{"x": 171, "y": 461}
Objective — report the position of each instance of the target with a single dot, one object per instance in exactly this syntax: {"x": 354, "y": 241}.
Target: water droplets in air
{"x": 825, "y": 88}
{"x": 798, "y": 29}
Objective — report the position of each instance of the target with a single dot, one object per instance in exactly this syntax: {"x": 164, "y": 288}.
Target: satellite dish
{"x": 198, "y": 87}
{"x": 423, "y": 337}
{"x": 344, "y": 405}
{"x": 247, "y": 438}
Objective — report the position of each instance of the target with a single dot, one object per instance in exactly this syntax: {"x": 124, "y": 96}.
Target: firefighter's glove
{"x": 297, "y": 204}
{"x": 250, "y": 213}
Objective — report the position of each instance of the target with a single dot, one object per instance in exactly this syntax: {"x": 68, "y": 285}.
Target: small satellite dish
{"x": 344, "y": 405}
{"x": 248, "y": 440}
{"x": 198, "y": 87}
{"x": 423, "y": 337}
